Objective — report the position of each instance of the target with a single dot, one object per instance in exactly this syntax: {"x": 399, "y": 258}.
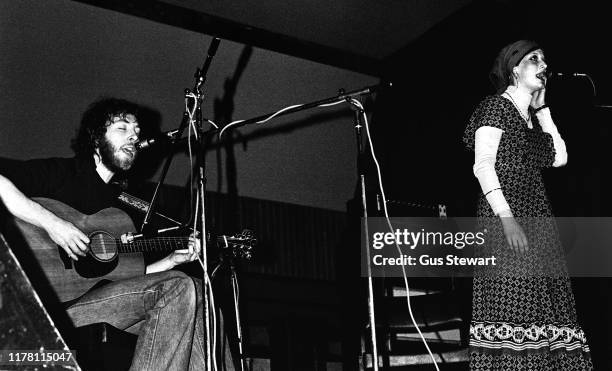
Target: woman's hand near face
{"x": 537, "y": 99}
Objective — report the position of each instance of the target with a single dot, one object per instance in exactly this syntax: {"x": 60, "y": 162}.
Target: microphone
{"x": 573, "y": 74}
{"x": 201, "y": 73}
{"x": 212, "y": 48}
{"x": 550, "y": 74}
{"x": 146, "y": 143}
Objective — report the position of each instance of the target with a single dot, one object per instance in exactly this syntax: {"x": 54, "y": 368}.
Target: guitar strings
{"x": 153, "y": 241}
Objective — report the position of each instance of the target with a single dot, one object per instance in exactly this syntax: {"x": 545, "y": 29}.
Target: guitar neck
{"x": 158, "y": 244}
{"x": 163, "y": 244}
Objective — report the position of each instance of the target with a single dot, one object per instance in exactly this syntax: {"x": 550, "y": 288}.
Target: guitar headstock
{"x": 238, "y": 246}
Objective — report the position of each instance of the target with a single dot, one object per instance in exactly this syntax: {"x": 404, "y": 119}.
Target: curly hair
{"x": 96, "y": 119}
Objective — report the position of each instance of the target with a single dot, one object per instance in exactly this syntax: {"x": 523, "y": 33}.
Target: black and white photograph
{"x": 393, "y": 185}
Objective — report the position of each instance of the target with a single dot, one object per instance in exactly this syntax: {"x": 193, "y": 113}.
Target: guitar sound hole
{"x": 103, "y": 246}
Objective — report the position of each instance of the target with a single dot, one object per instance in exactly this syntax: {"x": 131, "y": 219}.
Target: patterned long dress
{"x": 523, "y": 312}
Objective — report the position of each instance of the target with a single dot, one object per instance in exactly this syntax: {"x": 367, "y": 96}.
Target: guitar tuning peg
{"x": 246, "y": 232}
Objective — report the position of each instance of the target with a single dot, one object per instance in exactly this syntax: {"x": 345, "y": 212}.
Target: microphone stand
{"x": 342, "y": 96}
{"x": 235, "y": 295}
{"x": 198, "y": 96}
{"x": 230, "y": 259}
{"x": 362, "y": 185}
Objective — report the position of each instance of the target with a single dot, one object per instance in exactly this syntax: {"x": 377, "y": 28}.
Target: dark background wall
{"x": 57, "y": 56}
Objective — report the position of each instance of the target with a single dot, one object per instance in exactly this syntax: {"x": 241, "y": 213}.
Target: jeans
{"x": 164, "y": 309}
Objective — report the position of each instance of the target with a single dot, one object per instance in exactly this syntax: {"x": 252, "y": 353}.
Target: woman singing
{"x": 523, "y": 315}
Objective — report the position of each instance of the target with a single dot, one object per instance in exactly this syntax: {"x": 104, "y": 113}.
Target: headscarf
{"x": 509, "y": 57}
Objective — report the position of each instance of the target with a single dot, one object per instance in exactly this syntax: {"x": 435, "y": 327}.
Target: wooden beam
{"x": 198, "y": 21}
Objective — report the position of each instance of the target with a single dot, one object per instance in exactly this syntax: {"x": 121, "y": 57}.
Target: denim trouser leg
{"x": 198, "y": 360}
{"x": 165, "y": 303}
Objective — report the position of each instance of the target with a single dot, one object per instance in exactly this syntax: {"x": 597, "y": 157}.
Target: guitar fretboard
{"x": 165, "y": 244}
{"x": 159, "y": 244}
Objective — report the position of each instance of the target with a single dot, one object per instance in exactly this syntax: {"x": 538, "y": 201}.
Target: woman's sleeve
{"x": 551, "y": 150}
{"x": 483, "y": 135}
{"x": 490, "y": 113}
{"x": 486, "y": 143}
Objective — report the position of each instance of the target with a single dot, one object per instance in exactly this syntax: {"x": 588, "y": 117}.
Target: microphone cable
{"x": 382, "y": 191}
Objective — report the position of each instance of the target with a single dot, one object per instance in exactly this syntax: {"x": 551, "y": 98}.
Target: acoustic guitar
{"x": 109, "y": 256}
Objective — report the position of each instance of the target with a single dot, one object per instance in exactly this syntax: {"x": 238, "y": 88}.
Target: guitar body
{"x": 70, "y": 279}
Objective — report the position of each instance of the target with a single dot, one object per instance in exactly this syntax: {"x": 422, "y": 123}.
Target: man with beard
{"x": 162, "y": 306}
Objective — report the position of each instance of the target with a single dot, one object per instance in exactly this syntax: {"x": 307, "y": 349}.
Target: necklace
{"x": 527, "y": 117}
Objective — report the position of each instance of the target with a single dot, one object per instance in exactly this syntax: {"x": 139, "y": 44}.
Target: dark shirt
{"x": 73, "y": 181}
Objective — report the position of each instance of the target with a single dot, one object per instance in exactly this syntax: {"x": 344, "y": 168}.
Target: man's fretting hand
{"x": 187, "y": 255}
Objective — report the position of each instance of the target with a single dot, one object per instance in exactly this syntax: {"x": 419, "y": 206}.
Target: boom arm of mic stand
{"x": 147, "y": 219}
{"x": 338, "y": 98}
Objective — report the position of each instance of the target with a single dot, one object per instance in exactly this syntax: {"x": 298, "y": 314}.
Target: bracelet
{"x": 494, "y": 189}
{"x": 540, "y": 108}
